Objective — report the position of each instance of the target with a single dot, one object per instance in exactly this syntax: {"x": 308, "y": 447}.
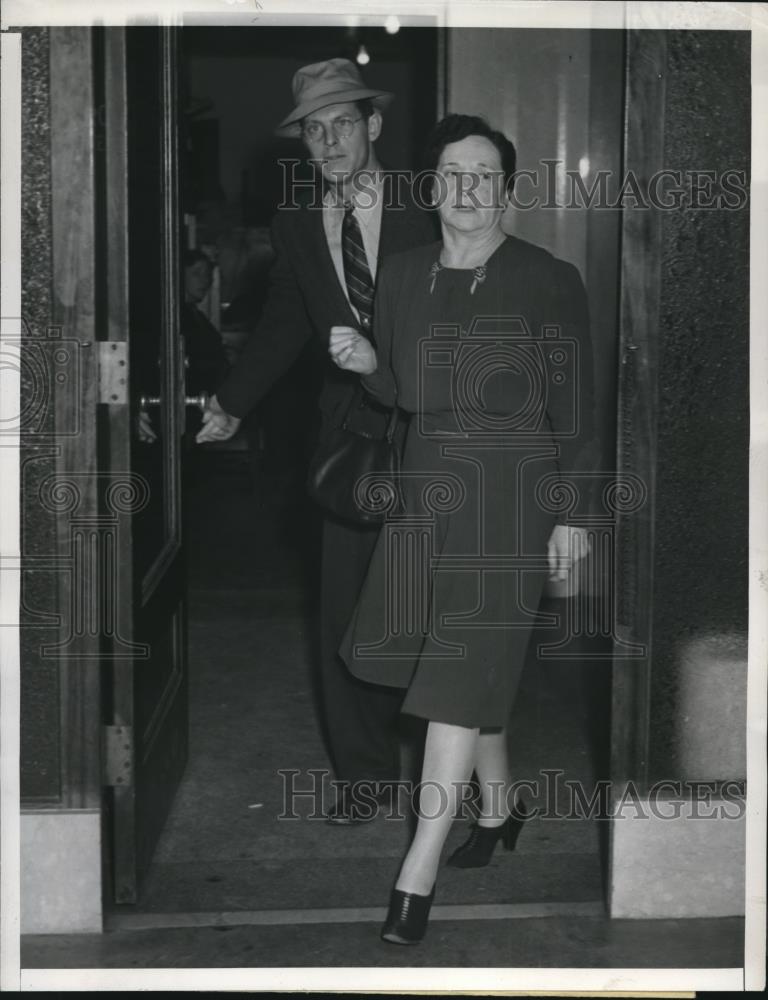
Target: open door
{"x": 145, "y": 683}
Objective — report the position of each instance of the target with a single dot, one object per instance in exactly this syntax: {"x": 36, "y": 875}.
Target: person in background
{"x": 247, "y": 277}
{"x": 279, "y": 429}
{"x": 328, "y": 251}
{"x": 203, "y": 345}
{"x": 205, "y": 357}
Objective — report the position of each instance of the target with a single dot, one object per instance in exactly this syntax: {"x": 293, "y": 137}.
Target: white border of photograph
{"x": 720, "y": 16}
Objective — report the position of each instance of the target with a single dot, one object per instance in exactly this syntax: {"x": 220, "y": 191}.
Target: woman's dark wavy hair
{"x": 454, "y": 128}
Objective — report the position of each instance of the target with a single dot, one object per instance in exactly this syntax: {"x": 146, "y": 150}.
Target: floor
{"x": 534, "y": 942}
{"x": 234, "y": 887}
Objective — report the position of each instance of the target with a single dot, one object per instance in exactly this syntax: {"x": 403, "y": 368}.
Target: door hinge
{"x": 117, "y": 756}
{"x": 113, "y": 371}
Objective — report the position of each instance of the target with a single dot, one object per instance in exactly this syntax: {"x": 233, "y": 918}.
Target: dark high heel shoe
{"x": 407, "y": 918}
{"x": 477, "y": 849}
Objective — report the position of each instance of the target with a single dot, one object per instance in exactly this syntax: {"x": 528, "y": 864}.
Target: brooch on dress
{"x": 478, "y": 276}
{"x": 479, "y": 273}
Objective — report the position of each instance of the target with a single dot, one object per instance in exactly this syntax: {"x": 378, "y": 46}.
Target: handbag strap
{"x": 358, "y": 399}
{"x": 395, "y": 409}
{"x": 355, "y": 402}
{"x": 392, "y": 425}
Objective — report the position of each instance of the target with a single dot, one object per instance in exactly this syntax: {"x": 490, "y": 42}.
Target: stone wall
{"x": 698, "y": 676}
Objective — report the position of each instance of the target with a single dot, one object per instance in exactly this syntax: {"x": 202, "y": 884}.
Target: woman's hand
{"x": 351, "y": 351}
{"x": 566, "y": 546}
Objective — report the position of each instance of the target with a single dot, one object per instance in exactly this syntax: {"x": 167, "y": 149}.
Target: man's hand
{"x": 217, "y": 424}
{"x": 566, "y": 546}
{"x": 351, "y": 351}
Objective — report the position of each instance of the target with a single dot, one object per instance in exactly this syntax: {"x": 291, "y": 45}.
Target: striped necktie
{"x": 356, "y": 272}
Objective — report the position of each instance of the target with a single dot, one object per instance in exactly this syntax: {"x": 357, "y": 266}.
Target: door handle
{"x": 201, "y": 401}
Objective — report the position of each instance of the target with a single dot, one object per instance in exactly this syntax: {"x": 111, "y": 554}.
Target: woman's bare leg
{"x": 492, "y": 768}
{"x": 449, "y": 758}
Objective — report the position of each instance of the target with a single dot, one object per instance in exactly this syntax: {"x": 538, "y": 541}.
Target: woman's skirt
{"x": 452, "y": 592}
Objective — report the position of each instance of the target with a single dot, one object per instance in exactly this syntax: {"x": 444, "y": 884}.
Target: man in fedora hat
{"x": 327, "y": 257}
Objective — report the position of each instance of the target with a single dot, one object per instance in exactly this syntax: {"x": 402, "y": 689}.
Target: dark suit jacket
{"x": 306, "y": 299}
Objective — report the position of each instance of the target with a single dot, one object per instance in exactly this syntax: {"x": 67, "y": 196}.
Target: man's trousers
{"x": 361, "y": 719}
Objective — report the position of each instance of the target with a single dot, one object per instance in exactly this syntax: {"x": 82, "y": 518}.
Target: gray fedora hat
{"x": 335, "y": 81}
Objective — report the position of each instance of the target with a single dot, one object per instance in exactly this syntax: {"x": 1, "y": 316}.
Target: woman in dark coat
{"x": 484, "y": 339}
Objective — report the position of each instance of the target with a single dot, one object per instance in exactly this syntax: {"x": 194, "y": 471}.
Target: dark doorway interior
{"x": 239, "y": 88}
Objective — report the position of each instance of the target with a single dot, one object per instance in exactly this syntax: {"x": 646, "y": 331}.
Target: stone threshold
{"x": 345, "y": 915}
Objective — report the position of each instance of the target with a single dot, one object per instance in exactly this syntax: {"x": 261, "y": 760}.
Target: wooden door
{"x": 145, "y": 694}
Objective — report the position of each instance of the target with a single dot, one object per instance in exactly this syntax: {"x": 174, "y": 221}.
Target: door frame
{"x": 640, "y": 291}
{"x": 61, "y": 831}
{"x": 147, "y": 736}
{"x": 65, "y": 839}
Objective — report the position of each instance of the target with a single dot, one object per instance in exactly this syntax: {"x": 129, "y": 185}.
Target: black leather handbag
{"x": 355, "y": 475}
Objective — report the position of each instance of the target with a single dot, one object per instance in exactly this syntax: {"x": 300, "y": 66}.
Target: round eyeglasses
{"x": 342, "y": 128}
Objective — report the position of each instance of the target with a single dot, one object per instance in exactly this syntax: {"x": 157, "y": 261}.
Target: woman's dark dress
{"x": 454, "y": 584}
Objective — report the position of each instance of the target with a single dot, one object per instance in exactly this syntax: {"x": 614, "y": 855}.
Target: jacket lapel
{"x": 326, "y": 272}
